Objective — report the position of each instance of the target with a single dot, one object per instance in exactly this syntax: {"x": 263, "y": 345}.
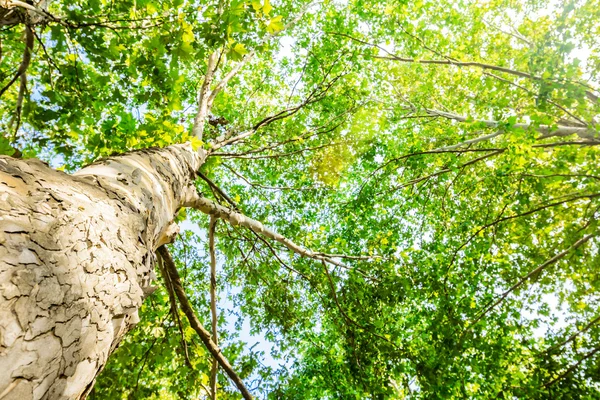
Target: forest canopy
{"x": 437, "y": 159}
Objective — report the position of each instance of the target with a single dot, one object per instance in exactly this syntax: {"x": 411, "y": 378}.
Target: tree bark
{"x": 77, "y": 260}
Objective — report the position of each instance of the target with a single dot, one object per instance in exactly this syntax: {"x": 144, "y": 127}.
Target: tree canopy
{"x": 438, "y": 158}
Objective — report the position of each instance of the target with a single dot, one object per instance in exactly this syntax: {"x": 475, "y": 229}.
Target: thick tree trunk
{"x": 77, "y": 260}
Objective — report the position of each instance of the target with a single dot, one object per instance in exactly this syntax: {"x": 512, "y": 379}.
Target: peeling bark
{"x": 77, "y": 260}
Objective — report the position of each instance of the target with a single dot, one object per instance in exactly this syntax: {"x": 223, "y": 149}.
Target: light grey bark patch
{"x": 20, "y": 389}
{"x": 76, "y": 261}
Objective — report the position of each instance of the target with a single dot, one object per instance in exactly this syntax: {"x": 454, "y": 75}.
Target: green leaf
{"x": 5, "y": 147}
{"x": 238, "y": 52}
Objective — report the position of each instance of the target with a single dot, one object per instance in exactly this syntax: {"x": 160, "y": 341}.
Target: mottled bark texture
{"x": 77, "y": 260}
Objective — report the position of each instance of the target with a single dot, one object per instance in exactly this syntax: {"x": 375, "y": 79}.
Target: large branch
{"x": 546, "y": 130}
{"x": 235, "y": 218}
{"x": 205, "y": 335}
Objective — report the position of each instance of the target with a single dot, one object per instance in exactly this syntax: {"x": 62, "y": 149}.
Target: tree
{"x": 403, "y": 198}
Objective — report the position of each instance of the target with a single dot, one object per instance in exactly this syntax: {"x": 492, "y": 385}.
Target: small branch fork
{"x": 205, "y": 336}
{"x": 207, "y": 96}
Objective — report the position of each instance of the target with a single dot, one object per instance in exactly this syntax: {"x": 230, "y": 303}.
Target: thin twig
{"x": 573, "y": 336}
{"x": 218, "y": 190}
{"x": 213, "y": 303}
{"x": 572, "y": 367}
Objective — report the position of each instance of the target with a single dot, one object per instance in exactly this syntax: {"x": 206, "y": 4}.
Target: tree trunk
{"x": 77, "y": 260}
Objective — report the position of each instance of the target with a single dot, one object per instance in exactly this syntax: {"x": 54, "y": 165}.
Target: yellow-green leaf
{"x": 267, "y": 7}
{"x": 196, "y": 143}
{"x": 275, "y": 25}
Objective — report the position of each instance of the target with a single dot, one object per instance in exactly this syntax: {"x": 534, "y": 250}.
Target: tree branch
{"x": 24, "y": 62}
{"x": 572, "y": 367}
{"x": 217, "y": 190}
{"x": 235, "y": 218}
{"x": 573, "y": 336}
{"x": 545, "y": 130}
{"x": 205, "y": 335}
{"x": 277, "y": 155}
{"x": 203, "y": 107}
{"x": 316, "y": 95}
{"x": 174, "y": 311}
{"x": 448, "y": 61}
{"x": 535, "y": 271}
{"x": 257, "y": 185}
{"x": 207, "y": 96}
{"x": 213, "y": 302}
{"x": 221, "y": 85}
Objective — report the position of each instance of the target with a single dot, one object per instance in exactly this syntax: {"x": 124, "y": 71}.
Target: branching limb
{"x": 235, "y": 218}
{"x": 21, "y": 4}
{"x": 530, "y": 92}
{"x": 17, "y": 117}
{"x": 207, "y": 96}
{"x": 257, "y": 185}
{"x": 213, "y": 303}
{"x": 40, "y": 15}
{"x": 221, "y": 85}
{"x": 276, "y": 155}
{"x": 205, "y": 335}
{"x": 217, "y": 189}
{"x": 532, "y": 211}
{"x": 307, "y": 135}
{"x": 316, "y": 95}
{"x": 492, "y": 152}
{"x": 545, "y": 130}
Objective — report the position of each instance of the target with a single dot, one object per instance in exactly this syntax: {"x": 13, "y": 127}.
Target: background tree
{"x": 442, "y": 154}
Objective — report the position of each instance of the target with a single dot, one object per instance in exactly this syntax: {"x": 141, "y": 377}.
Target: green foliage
{"x": 368, "y": 165}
